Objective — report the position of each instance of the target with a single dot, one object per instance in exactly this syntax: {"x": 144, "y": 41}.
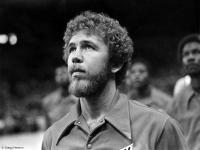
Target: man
{"x": 59, "y": 102}
{"x": 97, "y": 51}
{"x": 186, "y": 106}
{"x": 140, "y": 88}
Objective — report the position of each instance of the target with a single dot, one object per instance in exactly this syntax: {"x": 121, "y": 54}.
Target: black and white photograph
{"x": 99, "y": 75}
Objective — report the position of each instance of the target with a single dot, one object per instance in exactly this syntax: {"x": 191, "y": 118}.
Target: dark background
{"x": 27, "y": 68}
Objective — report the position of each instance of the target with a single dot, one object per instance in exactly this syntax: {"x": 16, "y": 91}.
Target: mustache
{"x": 77, "y": 68}
{"x": 192, "y": 63}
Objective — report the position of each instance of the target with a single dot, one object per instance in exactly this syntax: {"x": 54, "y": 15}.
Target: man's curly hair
{"x": 114, "y": 35}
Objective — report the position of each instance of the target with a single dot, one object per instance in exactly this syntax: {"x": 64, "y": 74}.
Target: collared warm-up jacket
{"x": 185, "y": 108}
{"x": 128, "y": 125}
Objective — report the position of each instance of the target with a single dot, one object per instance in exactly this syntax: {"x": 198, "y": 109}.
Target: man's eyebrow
{"x": 71, "y": 44}
{"x": 89, "y": 42}
{"x": 86, "y": 42}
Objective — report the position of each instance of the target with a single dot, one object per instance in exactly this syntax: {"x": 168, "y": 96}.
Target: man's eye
{"x": 88, "y": 47}
{"x": 196, "y": 51}
{"x": 133, "y": 72}
{"x": 185, "y": 54}
{"x": 141, "y": 71}
{"x": 71, "y": 49}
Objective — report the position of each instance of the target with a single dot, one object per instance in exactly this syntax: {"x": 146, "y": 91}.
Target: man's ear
{"x": 115, "y": 69}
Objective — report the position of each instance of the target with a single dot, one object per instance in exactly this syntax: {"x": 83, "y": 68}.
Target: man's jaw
{"x": 192, "y": 69}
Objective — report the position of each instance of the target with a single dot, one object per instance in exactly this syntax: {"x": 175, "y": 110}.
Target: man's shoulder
{"x": 184, "y": 94}
{"x": 142, "y": 113}
{"x": 53, "y": 132}
{"x": 146, "y": 121}
{"x": 187, "y": 88}
{"x": 139, "y": 110}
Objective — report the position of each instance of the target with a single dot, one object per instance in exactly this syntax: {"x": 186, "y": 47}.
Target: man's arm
{"x": 171, "y": 137}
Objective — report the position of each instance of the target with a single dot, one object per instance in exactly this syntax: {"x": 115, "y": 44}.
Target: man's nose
{"x": 137, "y": 74}
{"x": 77, "y": 58}
{"x": 191, "y": 58}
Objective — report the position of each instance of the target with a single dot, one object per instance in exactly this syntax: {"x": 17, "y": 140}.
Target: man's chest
{"x": 189, "y": 115}
{"x": 104, "y": 138}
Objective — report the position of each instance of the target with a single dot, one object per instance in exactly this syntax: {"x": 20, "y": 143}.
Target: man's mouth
{"x": 77, "y": 73}
{"x": 137, "y": 82}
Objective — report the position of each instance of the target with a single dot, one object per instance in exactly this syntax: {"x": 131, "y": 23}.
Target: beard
{"x": 192, "y": 69}
{"x": 91, "y": 85}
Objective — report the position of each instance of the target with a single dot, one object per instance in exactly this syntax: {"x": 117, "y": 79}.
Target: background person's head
{"x": 138, "y": 74}
{"x": 61, "y": 76}
{"x": 189, "y": 54}
{"x": 104, "y": 30}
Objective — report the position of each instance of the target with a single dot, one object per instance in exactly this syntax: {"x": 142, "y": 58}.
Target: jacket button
{"x": 89, "y": 146}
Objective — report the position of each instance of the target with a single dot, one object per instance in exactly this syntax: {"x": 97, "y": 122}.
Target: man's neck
{"x": 97, "y": 106}
{"x": 141, "y": 92}
{"x": 195, "y": 83}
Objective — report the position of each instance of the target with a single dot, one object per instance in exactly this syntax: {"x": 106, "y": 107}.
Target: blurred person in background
{"x": 186, "y": 105}
{"x": 35, "y": 116}
{"x": 59, "y": 102}
{"x": 12, "y": 122}
{"x": 140, "y": 88}
{"x": 97, "y": 51}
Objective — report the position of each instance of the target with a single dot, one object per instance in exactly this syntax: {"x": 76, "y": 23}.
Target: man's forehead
{"x": 191, "y": 46}
{"x": 138, "y": 65}
{"x": 85, "y": 35}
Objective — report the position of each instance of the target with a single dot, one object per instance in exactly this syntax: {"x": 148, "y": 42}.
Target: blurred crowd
{"x": 40, "y": 112}
{"x": 30, "y": 120}
{"x": 182, "y": 104}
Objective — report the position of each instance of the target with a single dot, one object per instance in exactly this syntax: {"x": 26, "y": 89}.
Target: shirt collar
{"x": 68, "y": 120}
{"x": 188, "y": 94}
{"x": 118, "y": 117}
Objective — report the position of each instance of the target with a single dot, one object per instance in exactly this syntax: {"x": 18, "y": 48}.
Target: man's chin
{"x": 193, "y": 69}
{"x": 87, "y": 88}
{"x": 77, "y": 88}
{"x": 79, "y": 93}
